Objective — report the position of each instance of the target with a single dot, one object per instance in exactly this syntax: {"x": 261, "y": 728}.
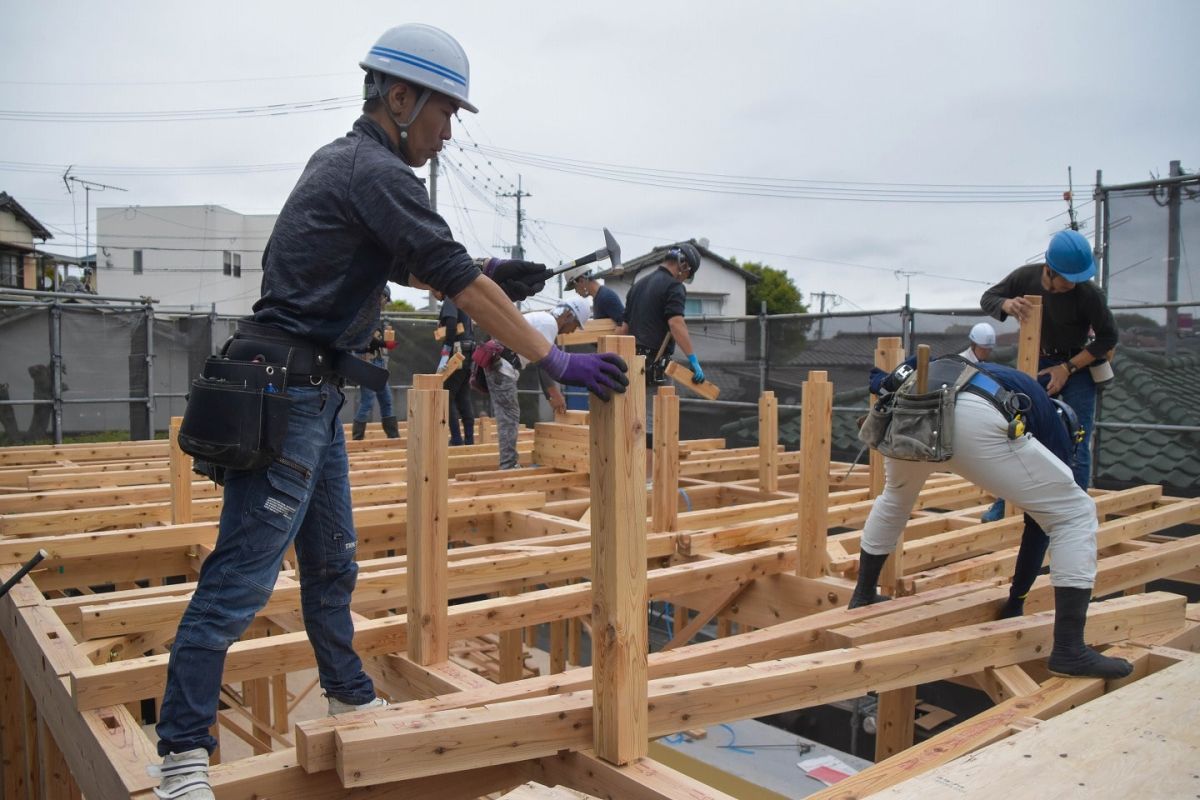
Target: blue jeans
{"x": 304, "y": 497}
{"x": 366, "y": 398}
{"x": 1080, "y": 394}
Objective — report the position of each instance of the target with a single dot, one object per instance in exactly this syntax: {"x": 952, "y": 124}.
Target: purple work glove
{"x": 518, "y": 279}
{"x": 597, "y": 372}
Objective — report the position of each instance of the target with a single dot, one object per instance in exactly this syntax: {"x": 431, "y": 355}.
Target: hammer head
{"x": 614, "y": 249}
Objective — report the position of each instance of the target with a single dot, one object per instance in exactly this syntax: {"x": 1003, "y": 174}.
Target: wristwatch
{"x": 1071, "y": 368}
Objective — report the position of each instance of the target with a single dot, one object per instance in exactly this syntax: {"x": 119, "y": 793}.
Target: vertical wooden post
{"x": 666, "y": 460}
{"x": 512, "y": 649}
{"x": 768, "y": 442}
{"x": 13, "y": 776}
{"x": 428, "y": 529}
{"x": 57, "y": 782}
{"x": 181, "y": 478}
{"x": 279, "y": 704}
{"x": 1030, "y": 346}
{"x": 619, "y": 593}
{"x": 889, "y": 352}
{"x": 816, "y": 435}
{"x": 923, "y": 354}
{"x": 894, "y": 718}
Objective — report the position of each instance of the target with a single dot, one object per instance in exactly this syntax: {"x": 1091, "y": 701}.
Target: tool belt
{"x": 909, "y": 426}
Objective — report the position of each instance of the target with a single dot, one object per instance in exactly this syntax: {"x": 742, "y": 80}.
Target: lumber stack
{"x": 87, "y": 634}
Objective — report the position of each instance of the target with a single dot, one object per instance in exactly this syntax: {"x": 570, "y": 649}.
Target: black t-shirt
{"x": 1066, "y": 317}
{"x": 607, "y": 305}
{"x": 651, "y": 302}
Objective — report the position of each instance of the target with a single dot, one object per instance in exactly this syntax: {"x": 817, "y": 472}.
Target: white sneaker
{"x": 338, "y": 707}
{"x": 184, "y": 776}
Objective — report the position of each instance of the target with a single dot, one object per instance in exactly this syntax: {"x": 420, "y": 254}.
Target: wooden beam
{"x": 428, "y": 531}
{"x": 894, "y": 716}
{"x": 644, "y": 779}
{"x": 1030, "y": 343}
{"x": 704, "y": 614}
{"x": 768, "y": 441}
{"x": 666, "y": 460}
{"x": 683, "y": 377}
{"x": 889, "y": 352}
{"x": 181, "y": 478}
{"x": 816, "y": 436}
{"x": 619, "y": 593}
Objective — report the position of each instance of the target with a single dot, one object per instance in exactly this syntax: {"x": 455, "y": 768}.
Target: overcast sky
{"x": 847, "y": 95}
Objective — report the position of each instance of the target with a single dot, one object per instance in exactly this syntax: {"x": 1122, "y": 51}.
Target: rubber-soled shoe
{"x": 184, "y": 776}
{"x": 338, "y": 707}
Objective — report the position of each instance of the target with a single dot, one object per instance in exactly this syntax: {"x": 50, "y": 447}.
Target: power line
{"x": 178, "y": 83}
{"x": 181, "y": 115}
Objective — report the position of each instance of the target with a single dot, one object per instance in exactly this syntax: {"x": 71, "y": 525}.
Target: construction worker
{"x": 1008, "y": 438}
{"x": 606, "y": 304}
{"x": 1072, "y": 306}
{"x": 358, "y": 217}
{"x": 654, "y": 317}
{"x": 376, "y": 353}
{"x": 504, "y": 369}
{"x": 450, "y": 317}
{"x": 980, "y": 343}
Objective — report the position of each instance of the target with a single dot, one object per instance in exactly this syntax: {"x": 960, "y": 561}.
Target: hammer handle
{"x": 22, "y": 572}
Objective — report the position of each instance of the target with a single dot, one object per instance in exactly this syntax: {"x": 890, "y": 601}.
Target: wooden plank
{"x": 889, "y": 353}
{"x": 815, "y": 440}
{"x": 1153, "y": 720}
{"x": 683, "y": 377}
{"x": 666, "y": 460}
{"x": 427, "y": 516}
{"x": 181, "y": 478}
{"x": 453, "y": 364}
{"x": 619, "y": 589}
{"x": 644, "y": 779}
{"x": 1030, "y": 343}
{"x": 768, "y": 441}
{"x": 390, "y": 749}
{"x": 717, "y": 603}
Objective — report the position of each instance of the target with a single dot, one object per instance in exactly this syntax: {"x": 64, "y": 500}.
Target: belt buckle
{"x": 316, "y": 380}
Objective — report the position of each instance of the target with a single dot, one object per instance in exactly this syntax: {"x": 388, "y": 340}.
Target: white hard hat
{"x": 577, "y": 306}
{"x": 425, "y": 56}
{"x": 983, "y": 335}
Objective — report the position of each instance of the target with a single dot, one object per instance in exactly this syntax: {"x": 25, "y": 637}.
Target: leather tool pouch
{"x": 236, "y": 416}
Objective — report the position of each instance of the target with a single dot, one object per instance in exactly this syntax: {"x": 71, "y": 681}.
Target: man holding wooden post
{"x": 358, "y": 217}
{"x": 999, "y": 429}
{"x": 654, "y": 317}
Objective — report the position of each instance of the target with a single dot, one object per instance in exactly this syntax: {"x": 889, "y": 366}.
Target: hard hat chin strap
{"x": 402, "y": 127}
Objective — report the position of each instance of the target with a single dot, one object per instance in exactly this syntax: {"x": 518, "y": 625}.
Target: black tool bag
{"x": 236, "y": 415}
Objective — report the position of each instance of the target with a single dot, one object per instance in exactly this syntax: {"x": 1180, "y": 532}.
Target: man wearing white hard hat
{"x": 504, "y": 369}
{"x": 982, "y": 340}
{"x": 358, "y": 217}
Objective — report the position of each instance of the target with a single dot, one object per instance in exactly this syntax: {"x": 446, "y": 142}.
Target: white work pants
{"x": 1021, "y": 470}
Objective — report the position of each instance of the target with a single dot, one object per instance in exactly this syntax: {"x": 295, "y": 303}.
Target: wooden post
{"x": 428, "y": 521}
{"x": 893, "y": 569}
{"x": 1030, "y": 346}
{"x": 619, "y": 593}
{"x": 768, "y": 442}
{"x": 181, "y": 478}
{"x": 512, "y": 649}
{"x": 889, "y": 352}
{"x": 57, "y": 782}
{"x": 923, "y": 353}
{"x": 666, "y": 460}
{"x": 894, "y": 718}
{"x": 13, "y": 775}
{"x": 816, "y": 434}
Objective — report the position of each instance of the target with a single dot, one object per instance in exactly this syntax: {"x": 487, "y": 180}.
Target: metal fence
{"x": 76, "y": 364}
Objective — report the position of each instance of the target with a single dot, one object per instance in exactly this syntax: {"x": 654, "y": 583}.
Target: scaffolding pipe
{"x": 56, "y": 366}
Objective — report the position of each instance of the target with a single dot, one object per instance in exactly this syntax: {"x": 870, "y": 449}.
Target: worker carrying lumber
{"x": 606, "y": 304}
{"x": 1073, "y": 308}
{"x": 358, "y": 217}
{"x": 997, "y": 427}
{"x": 503, "y": 365}
{"x": 654, "y": 317}
{"x": 980, "y": 343}
{"x": 462, "y": 413}
{"x": 376, "y": 354}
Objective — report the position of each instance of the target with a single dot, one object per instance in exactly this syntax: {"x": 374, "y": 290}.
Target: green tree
{"x": 774, "y": 286}
{"x": 399, "y": 305}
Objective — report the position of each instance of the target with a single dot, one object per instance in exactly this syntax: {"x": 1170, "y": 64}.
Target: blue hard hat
{"x": 1070, "y": 255}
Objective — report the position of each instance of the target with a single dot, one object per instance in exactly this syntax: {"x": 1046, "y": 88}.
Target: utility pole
{"x": 433, "y": 176}
{"x": 1174, "y": 193}
{"x": 835, "y": 300}
{"x": 1069, "y": 196}
{"x": 517, "y": 251}
{"x": 88, "y": 188}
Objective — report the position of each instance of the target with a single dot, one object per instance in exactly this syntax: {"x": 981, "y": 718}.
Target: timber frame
{"x": 760, "y": 540}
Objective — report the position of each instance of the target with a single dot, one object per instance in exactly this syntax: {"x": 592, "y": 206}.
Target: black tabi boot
{"x": 468, "y": 426}
{"x": 390, "y": 427}
{"x": 358, "y": 430}
{"x": 1070, "y": 656}
{"x": 1014, "y": 606}
{"x": 869, "y": 567}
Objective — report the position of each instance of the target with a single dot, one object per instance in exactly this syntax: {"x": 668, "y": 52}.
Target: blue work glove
{"x": 442, "y": 363}
{"x": 596, "y": 372}
{"x": 518, "y": 279}
{"x": 697, "y": 373}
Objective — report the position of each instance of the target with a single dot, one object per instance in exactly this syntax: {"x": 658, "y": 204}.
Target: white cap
{"x": 983, "y": 335}
{"x": 577, "y": 306}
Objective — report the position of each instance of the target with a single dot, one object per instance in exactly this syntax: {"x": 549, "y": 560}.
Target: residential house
{"x": 186, "y": 257}
{"x": 21, "y": 266}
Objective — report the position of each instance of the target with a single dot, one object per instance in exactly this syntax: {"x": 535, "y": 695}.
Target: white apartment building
{"x": 186, "y": 257}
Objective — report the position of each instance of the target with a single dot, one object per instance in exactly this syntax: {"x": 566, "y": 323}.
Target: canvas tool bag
{"x": 919, "y": 427}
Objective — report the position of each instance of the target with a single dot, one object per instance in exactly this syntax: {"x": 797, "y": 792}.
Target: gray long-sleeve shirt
{"x": 357, "y": 217}
{"x": 1066, "y": 317}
